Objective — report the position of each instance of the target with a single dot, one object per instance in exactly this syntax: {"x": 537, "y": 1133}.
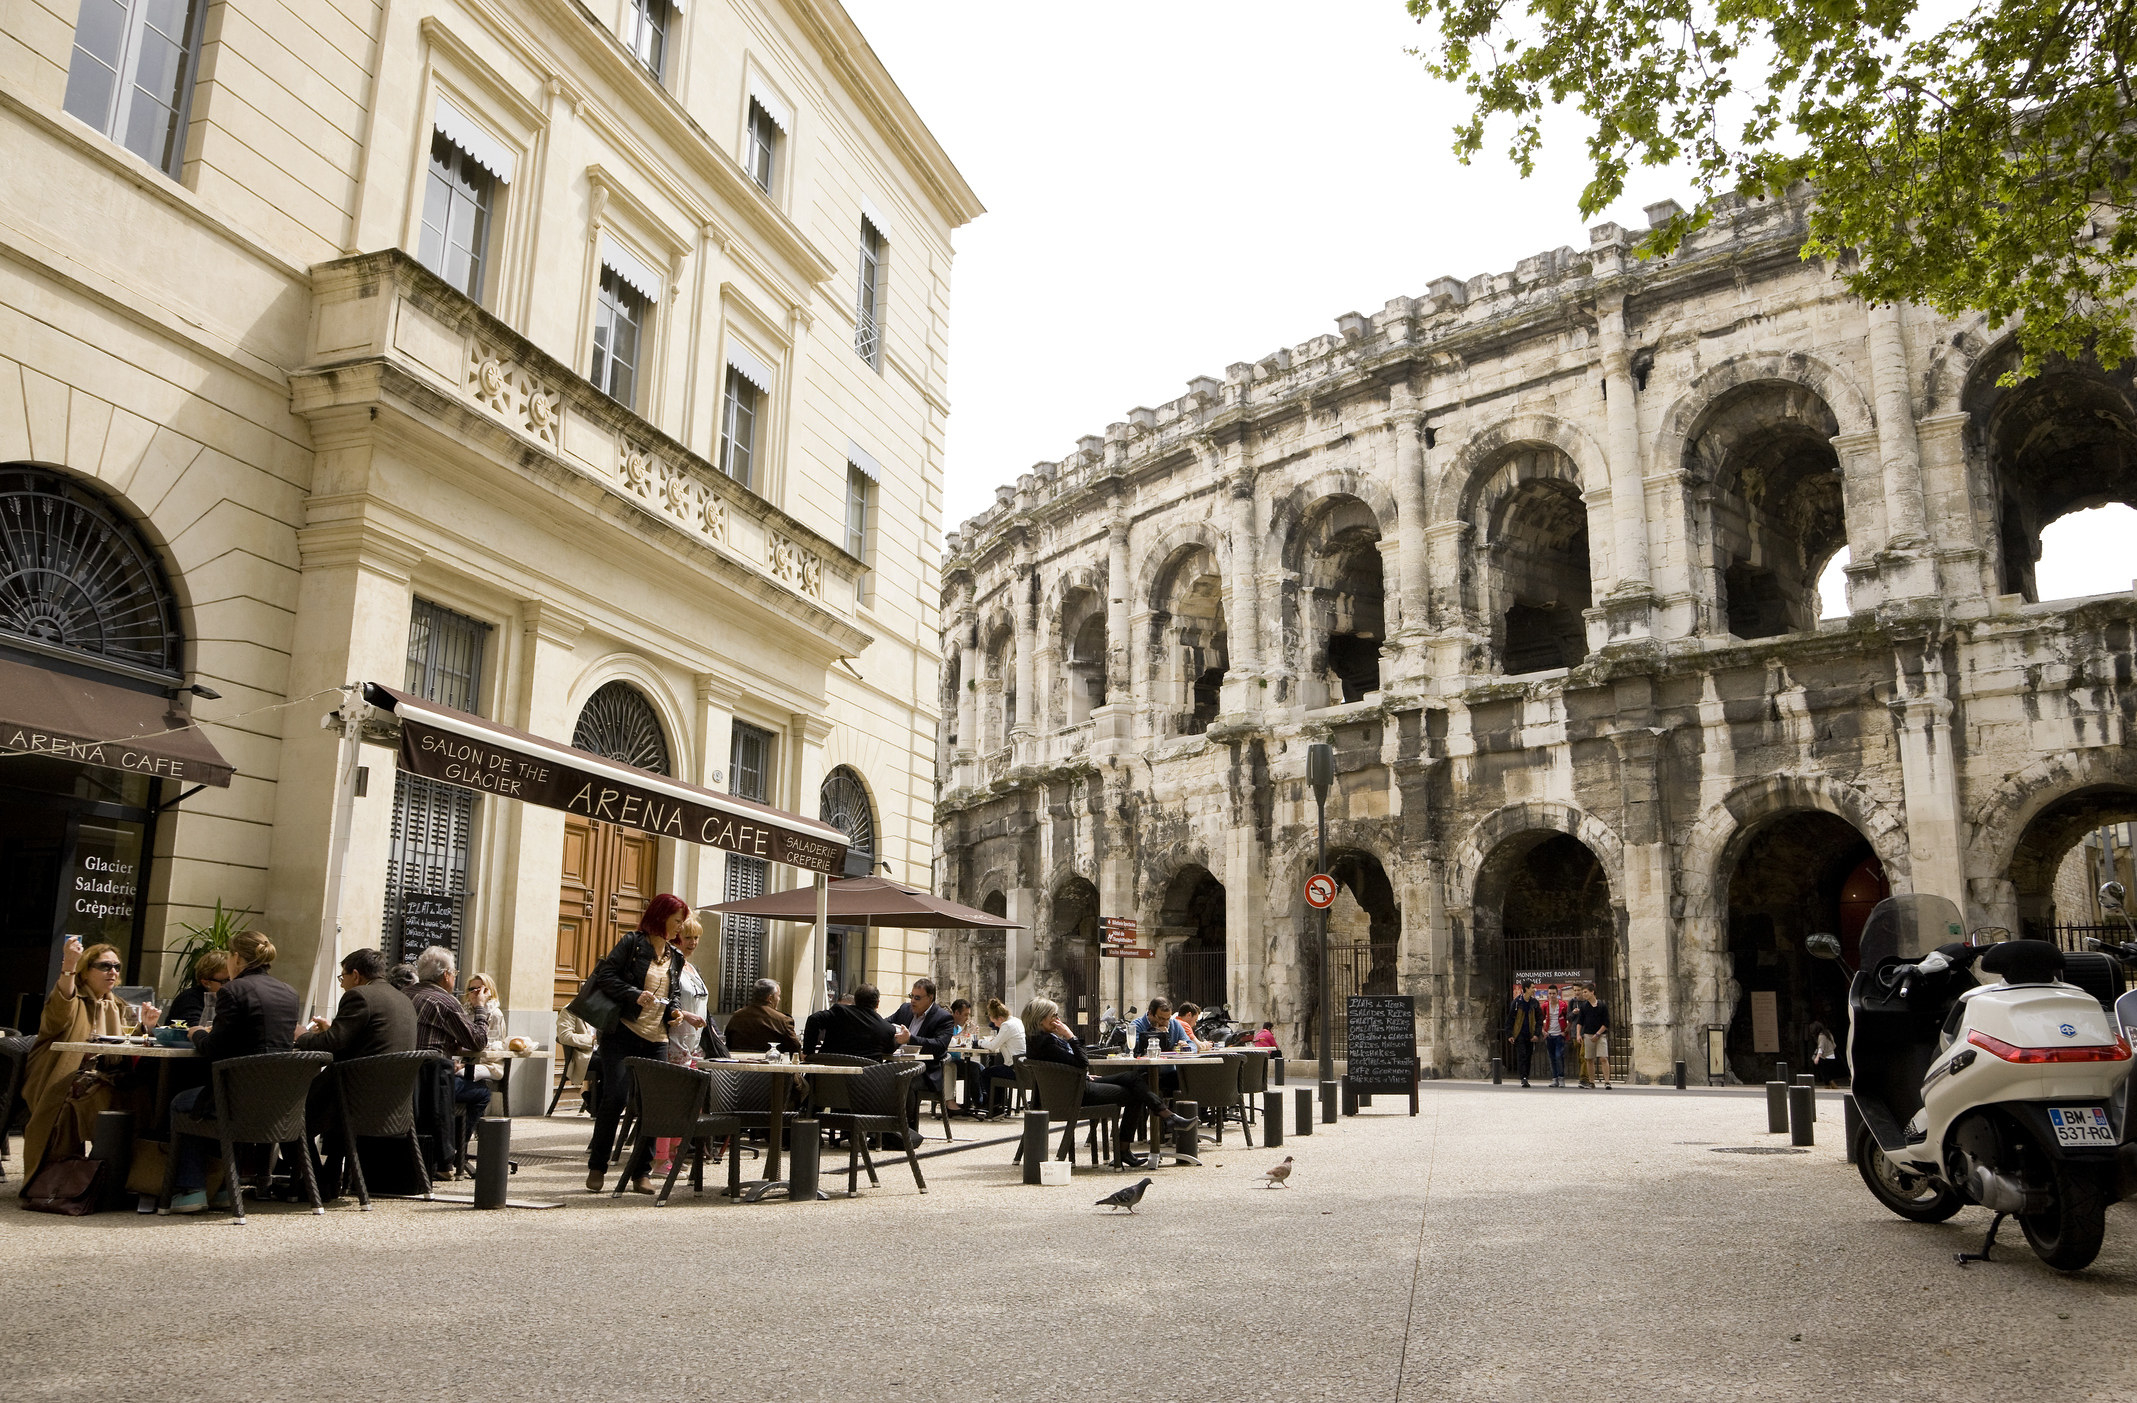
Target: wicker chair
{"x": 259, "y": 1100}
{"x": 1057, "y": 1089}
{"x": 1253, "y": 1081}
{"x": 876, "y": 1105}
{"x": 14, "y": 1057}
{"x": 378, "y": 1101}
{"x": 679, "y": 1103}
{"x": 1215, "y": 1089}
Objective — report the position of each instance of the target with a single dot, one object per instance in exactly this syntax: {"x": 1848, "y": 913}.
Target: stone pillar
{"x": 1411, "y": 576}
{"x": 1019, "y": 947}
{"x": 1631, "y": 585}
{"x": 968, "y": 672}
{"x": 1246, "y": 876}
{"x": 1899, "y": 452}
{"x": 1930, "y": 778}
{"x": 1113, "y": 725}
{"x": 1243, "y": 584}
{"x": 1022, "y": 612}
{"x": 526, "y": 955}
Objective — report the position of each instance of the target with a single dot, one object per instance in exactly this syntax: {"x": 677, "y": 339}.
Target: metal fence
{"x": 1195, "y": 976}
{"x": 1562, "y": 952}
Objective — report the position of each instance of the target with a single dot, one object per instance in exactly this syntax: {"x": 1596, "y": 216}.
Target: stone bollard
{"x": 805, "y": 1151}
{"x": 1498, "y": 1071}
{"x": 1272, "y": 1118}
{"x": 1187, "y": 1140}
{"x": 1850, "y": 1124}
{"x": 1806, "y": 1079}
{"x": 493, "y": 1161}
{"x": 1328, "y": 1103}
{"x": 1680, "y": 1075}
{"x": 1350, "y": 1099}
{"x": 1034, "y": 1144}
{"x": 1776, "y": 1107}
{"x": 1780, "y": 1072}
{"x": 1279, "y": 1073}
{"x": 1802, "y": 1104}
{"x": 1302, "y": 1108}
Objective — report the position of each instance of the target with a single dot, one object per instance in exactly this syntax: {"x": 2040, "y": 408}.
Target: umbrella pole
{"x": 819, "y": 944}
{"x": 327, "y": 959}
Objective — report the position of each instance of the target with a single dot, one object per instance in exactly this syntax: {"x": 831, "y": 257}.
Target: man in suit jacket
{"x": 374, "y": 1018}
{"x": 851, "y": 1030}
{"x": 925, "y": 1024}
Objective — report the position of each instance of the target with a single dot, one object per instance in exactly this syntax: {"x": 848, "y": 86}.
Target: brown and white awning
{"x": 437, "y": 742}
{"x": 68, "y": 717}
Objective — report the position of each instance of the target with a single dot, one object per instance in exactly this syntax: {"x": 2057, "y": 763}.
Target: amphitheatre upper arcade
{"x": 1539, "y": 553}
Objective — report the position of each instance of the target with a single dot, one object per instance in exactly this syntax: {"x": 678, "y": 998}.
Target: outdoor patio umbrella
{"x": 866, "y": 901}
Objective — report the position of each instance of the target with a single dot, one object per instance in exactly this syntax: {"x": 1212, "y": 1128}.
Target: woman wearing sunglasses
{"x": 81, "y": 1007}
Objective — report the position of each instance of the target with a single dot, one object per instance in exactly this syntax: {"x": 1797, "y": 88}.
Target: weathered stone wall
{"x": 1539, "y": 555}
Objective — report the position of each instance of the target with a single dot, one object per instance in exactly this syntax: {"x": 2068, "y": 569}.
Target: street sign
{"x": 1320, "y": 891}
{"x": 1116, "y": 923}
{"x": 1117, "y": 937}
{"x": 1122, "y": 952}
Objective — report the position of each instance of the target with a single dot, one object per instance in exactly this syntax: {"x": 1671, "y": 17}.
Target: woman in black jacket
{"x": 1049, "y": 1039}
{"x": 642, "y": 974}
{"x": 255, "y": 1013}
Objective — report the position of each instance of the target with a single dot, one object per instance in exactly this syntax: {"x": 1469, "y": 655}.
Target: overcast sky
{"x": 1175, "y": 185}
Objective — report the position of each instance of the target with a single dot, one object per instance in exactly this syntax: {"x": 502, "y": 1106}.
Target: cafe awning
{"x": 68, "y": 717}
{"x": 437, "y": 742}
{"x": 867, "y": 901}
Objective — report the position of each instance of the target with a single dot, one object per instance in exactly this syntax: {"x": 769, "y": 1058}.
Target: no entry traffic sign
{"x": 1320, "y": 891}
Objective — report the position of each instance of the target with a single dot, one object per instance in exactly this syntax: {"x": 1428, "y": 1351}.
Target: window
{"x": 749, "y": 776}
{"x": 749, "y": 763}
{"x": 131, "y": 73}
{"x": 432, "y": 836}
{"x": 868, "y": 302}
{"x": 645, "y": 31}
{"x": 456, "y": 216}
{"x": 763, "y": 145}
{"x": 619, "y": 331}
{"x": 858, "y": 491}
{"x": 738, "y": 429}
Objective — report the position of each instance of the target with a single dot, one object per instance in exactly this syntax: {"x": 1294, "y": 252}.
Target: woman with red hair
{"x": 643, "y": 974}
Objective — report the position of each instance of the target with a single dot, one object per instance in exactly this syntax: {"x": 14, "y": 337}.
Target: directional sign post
{"x": 1116, "y": 936}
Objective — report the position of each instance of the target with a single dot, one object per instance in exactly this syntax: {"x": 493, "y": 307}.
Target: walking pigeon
{"x": 1126, "y": 1198}
{"x": 1275, "y": 1178}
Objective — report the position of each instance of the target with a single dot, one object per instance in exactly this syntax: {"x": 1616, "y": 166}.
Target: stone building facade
{"x": 578, "y": 366}
{"x": 1538, "y": 553}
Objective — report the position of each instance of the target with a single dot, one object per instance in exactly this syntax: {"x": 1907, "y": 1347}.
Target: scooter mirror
{"x": 1822, "y": 946}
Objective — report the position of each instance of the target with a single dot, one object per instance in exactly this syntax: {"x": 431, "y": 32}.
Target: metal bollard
{"x": 493, "y": 1161}
{"x": 1680, "y": 1076}
{"x": 1806, "y": 1079}
{"x": 1034, "y": 1144}
{"x": 805, "y": 1152}
{"x": 1350, "y": 1098}
{"x": 1498, "y": 1071}
{"x": 1272, "y": 1118}
{"x": 1776, "y": 1107}
{"x": 112, "y": 1141}
{"x": 1279, "y": 1061}
{"x": 1850, "y": 1124}
{"x": 1328, "y": 1102}
{"x": 1187, "y": 1140}
{"x": 1780, "y": 1071}
{"x": 1302, "y": 1110}
{"x": 1802, "y": 1109}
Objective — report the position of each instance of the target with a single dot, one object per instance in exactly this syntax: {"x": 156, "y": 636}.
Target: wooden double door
{"x": 610, "y": 874}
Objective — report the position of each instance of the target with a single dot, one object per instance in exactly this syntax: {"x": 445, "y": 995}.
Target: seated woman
{"x": 190, "y": 1009}
{"x": 80, "y": 1007}
{"x": 1008, "y": 1043}
{"x": 480, "y": 1001}
{"x": 1052, "y": 1040}
{"x": 255, "y": 1013}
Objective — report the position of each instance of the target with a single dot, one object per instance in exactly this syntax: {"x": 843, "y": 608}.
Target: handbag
{"x": 595, "y": 1007}
{"x": 71, "y": 1185}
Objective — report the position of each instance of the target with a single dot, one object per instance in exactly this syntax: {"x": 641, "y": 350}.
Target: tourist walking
{"x": 1595, "y": 1038}
{"x": 642, "y": 975}
{"x": 1554, "y": 1033}
{"x": 1524, "y": 1022}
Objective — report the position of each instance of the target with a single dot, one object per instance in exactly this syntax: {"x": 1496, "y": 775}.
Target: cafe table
{"x": 162, "y": 1056}
{"x": 954, "y": 1072}
{"x": 777, "y": 1138}
{"x": 504, "y": 1071}
{"x": 1108, "y": 1066}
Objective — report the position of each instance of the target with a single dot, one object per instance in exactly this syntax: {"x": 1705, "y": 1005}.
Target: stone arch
{"x": 1189, "y": 646}
{"x": 1162, "y": 553}
{"x": 1456, "y": 496}
{"x": 1332, "y": 599}
{"x": 1065, "y": 964}
{"x": 651, "y": 685}
{"x": 1849, "y": 405}
{"x": 1527, "y": 577}
{"x": 2005, "y": 849}
{"x": 147, "y": 624}
{"x": 996, "y": 636}
{"x": 1951, "y": 365}
{"x": 1078, "y": 621}
{"x": 1289, "y": 510}
{"x": 1550, "y": 815}
{"x": 1190, "y": 929}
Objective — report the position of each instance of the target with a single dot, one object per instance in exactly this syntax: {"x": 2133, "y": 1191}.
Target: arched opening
{"x": 1188, "y": 630}
{"x": 1066, "y": 963}
{"x": 1540, "y": 585}
{"x": 2064, "y": 441}
{"x": 1795, "y": 875}
{"x": 1364, "y": 935}
{"x": 1777, "y": 512}
{"x": 610, "y": 873}
{"x": 990, "y": 954}
{"x": 1083, "y": 630}
{"x": 1543, "y": 912}
{"x": 2066, "y": 851}
{"x": 1191, "y": 922}
{"x": 998, "y": 690}
{"x": 1340, "y": 615}
{"x": 842, "y": 801}
{"x": 1833, "y": 585}
{"x": 2086, "y": 552}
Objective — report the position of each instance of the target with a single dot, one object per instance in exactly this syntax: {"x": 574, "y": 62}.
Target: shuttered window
{"x": 432, "y": 836}
{"x": 749, "y": 776}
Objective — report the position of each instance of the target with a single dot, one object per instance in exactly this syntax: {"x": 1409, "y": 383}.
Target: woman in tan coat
{"x": 80, "y": 1007}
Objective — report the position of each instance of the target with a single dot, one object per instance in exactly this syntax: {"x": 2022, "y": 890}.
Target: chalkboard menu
{"x": 1381, "y": 1050}
{"x": 428, "y": 921}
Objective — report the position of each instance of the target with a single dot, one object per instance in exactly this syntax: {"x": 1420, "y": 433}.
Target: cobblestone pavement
{"x": 1504, "y": 1244}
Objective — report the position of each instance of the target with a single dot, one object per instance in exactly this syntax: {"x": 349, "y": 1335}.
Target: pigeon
{"x": 1277, "y": 1177}
{"x": 1126, "y": 1198}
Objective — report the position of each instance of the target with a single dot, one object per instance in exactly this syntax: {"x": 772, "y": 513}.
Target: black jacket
{"x": 932, "y": 1035}
{"x": 1052, "y": 1047}
{"x": 848, "y": 1030}
{"x": 373, "y": 1019}
{"x": 622, "y": 974}
{"x": 255, "y": 1013}
{"x": 186, "y": 1008}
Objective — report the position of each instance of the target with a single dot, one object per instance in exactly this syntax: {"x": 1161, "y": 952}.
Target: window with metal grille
{"x": 432, "y": 836}
{"x": 645, "y": 31}
{"x": 763, "y": 145}
{"x": 131, "y": 73}
{"x": 869, "y": 297}
{"x": 749, "y": 776}
{"x": 749, "y": 767}
{"x": 619, "y": 326}
{"x": 456, "y": 216}
{"x": 738, "y": 429}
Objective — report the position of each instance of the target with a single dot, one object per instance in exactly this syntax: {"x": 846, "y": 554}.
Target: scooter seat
{"x": 2024, "y": 962}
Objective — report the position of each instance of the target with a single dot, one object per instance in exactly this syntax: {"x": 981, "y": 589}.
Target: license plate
{"x": 2080, "y": 1125}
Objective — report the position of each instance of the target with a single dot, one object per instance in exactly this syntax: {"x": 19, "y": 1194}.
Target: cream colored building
{"x": 579, "y": 366}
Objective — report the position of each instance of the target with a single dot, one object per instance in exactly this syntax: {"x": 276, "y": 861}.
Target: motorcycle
{"x": 2011, "y": 1094}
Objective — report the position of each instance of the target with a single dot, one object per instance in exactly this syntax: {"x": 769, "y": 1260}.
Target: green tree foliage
{"x": 1982, "y": 163}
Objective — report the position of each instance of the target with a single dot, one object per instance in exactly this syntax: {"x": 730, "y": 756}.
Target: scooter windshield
{"x": 1908, "y": 927}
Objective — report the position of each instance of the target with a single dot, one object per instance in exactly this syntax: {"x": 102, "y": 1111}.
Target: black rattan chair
{"x": 1057, "y": 1089}
{"x": 14, "y": 1058}
{"x": 259, "y": 1100}
{"x": 876, "y": 1105}
{"x": 1216, "y": 1091}
{"x": 378, "y": 1101}
{"x": 678, "y": 1103}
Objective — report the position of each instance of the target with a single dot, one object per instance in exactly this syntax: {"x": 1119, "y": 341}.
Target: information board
{"x": 1380, "y": 1050}
{"x": 427, "y": 921}
{"x": 1765, "y": 1021}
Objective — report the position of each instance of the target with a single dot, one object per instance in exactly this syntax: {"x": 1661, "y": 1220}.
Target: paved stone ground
{"x": 1505, "y": 1244}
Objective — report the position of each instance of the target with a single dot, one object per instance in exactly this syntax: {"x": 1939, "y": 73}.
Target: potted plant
{"x": 215, "y": 935}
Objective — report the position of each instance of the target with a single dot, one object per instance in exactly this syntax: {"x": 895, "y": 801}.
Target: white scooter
{"x": 2012, "y": 1095}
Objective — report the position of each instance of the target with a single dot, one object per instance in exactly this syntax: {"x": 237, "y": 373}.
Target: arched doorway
{"x": 842, "y": 802}
{"x": 1194, "y": 909}
{"x": 1544, "y": 913}
{"x": 1364, "y": 933}
{"x": 1795, "y": 875}
{"x": 1066, "y": 964}
{"x": 610, "y": 873}
{"x": 84, "y": 595}
{"x": 2068, "y": 849}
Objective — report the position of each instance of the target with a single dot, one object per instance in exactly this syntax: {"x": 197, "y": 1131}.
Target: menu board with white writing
{"x": 1381, "y": 1048}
